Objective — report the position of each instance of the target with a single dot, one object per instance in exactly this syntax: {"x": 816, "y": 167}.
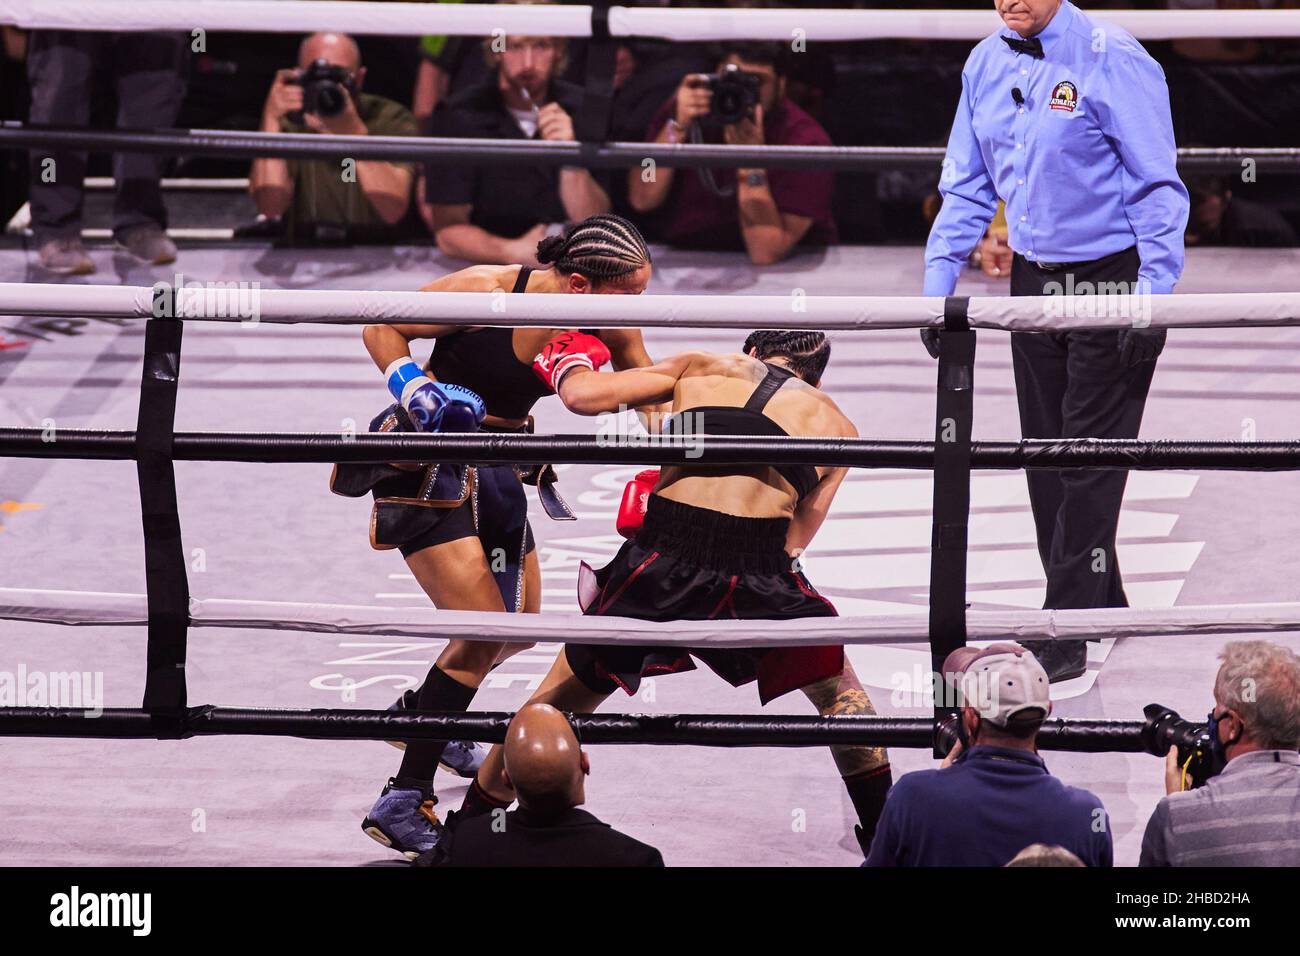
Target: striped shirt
{"x": 1249, "y": 815}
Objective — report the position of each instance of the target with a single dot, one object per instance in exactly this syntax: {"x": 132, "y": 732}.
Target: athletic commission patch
{"x": 1065, "y": 96}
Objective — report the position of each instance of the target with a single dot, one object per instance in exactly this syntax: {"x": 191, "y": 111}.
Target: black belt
{"x": 1061, "y": 266}
{"x": 1058, "y": 266}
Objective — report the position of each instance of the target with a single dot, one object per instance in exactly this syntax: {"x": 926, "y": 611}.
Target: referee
{"x": 1066, "y": 120}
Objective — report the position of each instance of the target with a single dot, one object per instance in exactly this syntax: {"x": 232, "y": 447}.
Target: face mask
{"x": 1218, "y": 749}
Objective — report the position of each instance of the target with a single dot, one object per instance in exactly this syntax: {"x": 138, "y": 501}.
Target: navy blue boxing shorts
{"x": 417, "y": 508}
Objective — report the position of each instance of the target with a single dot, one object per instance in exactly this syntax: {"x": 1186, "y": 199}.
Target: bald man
{"x": 548, "y": 769}
{"x": 325, "y": 200}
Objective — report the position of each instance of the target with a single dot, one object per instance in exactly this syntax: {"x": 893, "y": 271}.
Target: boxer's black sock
{"x": 439, "y": 693}
{"x": 479, "y": 802}
{"x": 868, "y": 791}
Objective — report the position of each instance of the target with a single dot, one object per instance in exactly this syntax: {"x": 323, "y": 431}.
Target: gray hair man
{"x": 1248, "y": 815}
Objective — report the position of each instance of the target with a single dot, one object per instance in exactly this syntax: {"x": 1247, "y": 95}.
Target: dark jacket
{"x": 574, "y": 838}
{"x": 505, "y": 200}
{"x": 983, "y": 810}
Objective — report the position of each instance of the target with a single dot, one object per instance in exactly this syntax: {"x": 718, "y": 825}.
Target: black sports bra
{"x": 485, "y": 362}
{"x": 750, "y": 420}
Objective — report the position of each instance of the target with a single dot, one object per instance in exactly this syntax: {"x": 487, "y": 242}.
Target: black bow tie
{"x": 1033, "y": 46}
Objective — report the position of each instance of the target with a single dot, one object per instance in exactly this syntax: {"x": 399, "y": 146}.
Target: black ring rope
{"x": 90, "y": 444}
{"x": 509, "y": 152}
{"x": 1085, "y": 735}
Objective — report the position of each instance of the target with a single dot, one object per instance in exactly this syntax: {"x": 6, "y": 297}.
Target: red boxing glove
{"x": 631, "y": 512}
{"x": 564, "y": 353}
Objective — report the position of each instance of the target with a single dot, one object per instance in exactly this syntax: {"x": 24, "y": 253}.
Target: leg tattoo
{"x": 865, "y": 770}
{"x": 843, "y": 696}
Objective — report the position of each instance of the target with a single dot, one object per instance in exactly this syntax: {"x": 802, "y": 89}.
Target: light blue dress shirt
{"x": 1086, "y": 165}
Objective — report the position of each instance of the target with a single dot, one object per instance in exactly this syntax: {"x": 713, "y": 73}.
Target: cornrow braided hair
{"x": 807, "y": 352}
{"x": 602, "y": 248}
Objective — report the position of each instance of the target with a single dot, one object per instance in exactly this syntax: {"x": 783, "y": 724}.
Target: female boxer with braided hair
{"x": 464, "y": 532}
{"x": 714, "y": 542}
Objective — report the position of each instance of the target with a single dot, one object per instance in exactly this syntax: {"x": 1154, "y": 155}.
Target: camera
{"x": 1164, "y": 729}
{"x": 947, "y": 733}
{"x": 735, "y": 93}
{"x": 325, "y": 89}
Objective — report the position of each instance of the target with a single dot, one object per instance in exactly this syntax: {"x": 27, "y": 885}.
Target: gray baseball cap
{"x": 1001, "y": 681}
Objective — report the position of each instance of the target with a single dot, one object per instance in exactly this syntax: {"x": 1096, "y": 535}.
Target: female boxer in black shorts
{"x": 464, "y": 532}
{"x": 717, "y": 542}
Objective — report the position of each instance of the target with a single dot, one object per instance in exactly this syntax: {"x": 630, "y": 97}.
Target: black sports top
{"x": 750, "y": 420}
{"x": 485, "y": 361}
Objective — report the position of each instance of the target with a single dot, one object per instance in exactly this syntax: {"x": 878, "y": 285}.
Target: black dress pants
{"x": 1073, "y": 384}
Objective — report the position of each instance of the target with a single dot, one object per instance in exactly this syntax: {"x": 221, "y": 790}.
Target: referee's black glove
{"x": 1140, "y": 345}
{"x": 930, "y": 339}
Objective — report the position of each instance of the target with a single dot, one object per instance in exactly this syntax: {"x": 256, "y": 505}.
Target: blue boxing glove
{"x": 433, "y": 406}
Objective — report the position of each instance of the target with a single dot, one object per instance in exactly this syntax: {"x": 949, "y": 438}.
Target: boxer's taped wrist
{"x": 567, "y": 364}
{"x": 400, "y": 374}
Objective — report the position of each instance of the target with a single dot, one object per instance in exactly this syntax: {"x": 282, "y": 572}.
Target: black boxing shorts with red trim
{"x": 695, "y": 564}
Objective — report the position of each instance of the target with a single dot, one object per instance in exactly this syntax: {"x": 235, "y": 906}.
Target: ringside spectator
{"x": 1220, "y": 218}
{"x": 149, "y": 72}
{"x": 325, "y": 200}
{"x": 1249, "y": 814}
{"x": 764, "y": 212}
{"x": 546, "y": 767}
{"x": 491, "y": 213}
{"x": 1040, "y": 854}
{"x": 993, "y": 795}
{"x": 447, "y": 65}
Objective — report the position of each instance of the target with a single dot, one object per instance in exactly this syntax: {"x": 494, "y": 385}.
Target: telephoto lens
{"x": 1196, "y": 754}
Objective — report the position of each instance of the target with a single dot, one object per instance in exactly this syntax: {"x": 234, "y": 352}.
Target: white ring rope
{"x": 235, "y": 301}
{"x": 118, "y": 609}
{"x": 477, "y": 19}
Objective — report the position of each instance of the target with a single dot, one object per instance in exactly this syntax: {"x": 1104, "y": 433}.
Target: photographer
{"x": 993, "y": 796}
{"x": 1249, "y": 814}
{"x": 328, "y": 200}
{"x": 765, "y": 213}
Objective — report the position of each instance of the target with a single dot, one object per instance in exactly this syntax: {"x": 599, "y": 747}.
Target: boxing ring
{"x": 150, "y": 323}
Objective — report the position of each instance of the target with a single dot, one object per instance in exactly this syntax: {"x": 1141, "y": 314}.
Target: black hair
{"x": 602, "y": 248}
{"x": 1201, "y": 188}
{"x": 773, "y": 54}
{"x": 806, "y": 352}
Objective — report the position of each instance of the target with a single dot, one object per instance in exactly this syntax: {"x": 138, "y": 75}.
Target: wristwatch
{"x": 756, "y": 177}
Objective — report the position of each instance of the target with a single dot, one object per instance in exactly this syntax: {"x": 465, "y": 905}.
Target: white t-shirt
{"x": 527, "y": 120}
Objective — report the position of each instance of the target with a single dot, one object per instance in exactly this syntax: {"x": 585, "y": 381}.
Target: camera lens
{"x": 329, "y": 99}
{"x": 729, "y": 107}
{"x": 1165, "y": 730}
{"x": 945, "y": 735}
